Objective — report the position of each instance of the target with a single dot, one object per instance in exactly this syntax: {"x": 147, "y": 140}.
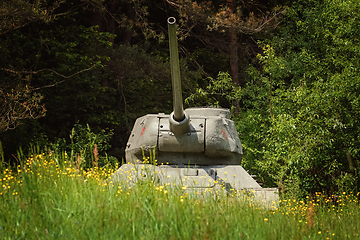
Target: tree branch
{"x": 41, "y": 18}
{"x": 46, "y": 69}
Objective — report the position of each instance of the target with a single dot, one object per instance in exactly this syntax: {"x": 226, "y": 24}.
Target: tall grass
{"x": 49, "y": 197}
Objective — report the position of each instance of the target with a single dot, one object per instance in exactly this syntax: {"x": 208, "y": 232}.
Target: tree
{"x": 307, "y": 139}
{"x": 15, "y": 14}
{"x": 224, "y": 25}
{"x": 38, "y": 58}
{"x": 39, "y": 52}
{"x": 17, "y": 100}
{"x": 124, "y": 19}
{"x": 17, "y": 104}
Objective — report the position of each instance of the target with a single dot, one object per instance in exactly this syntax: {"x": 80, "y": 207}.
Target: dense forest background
{"x": 80, "y": 71}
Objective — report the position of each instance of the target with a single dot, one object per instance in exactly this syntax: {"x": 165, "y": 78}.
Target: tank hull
{"x": 211, "y": 180}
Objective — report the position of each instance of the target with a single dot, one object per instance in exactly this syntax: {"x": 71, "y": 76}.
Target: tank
{"x": 197, "y": 147}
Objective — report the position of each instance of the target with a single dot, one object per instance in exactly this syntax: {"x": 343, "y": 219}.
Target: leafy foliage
{"x": 311, "y": 118}
{"x": 219, "y": 92}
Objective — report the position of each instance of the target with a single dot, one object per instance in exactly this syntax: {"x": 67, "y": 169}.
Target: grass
{"x": 49, "y": 197}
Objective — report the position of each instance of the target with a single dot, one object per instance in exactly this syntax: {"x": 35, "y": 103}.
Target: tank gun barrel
{"x": 175, "y": 70}
{"x": 179, "y": 120}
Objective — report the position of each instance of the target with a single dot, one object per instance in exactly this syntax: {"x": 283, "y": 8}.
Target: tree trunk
{"x": 111, "y": 21}
{"x": 233, "y": 55}
{"x": 233, "y": 46}
{"x": 96, "y": 19}
{"x": 128, "y": 33}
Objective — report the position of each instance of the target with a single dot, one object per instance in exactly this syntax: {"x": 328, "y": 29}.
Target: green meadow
{"x": 47, "y": 196}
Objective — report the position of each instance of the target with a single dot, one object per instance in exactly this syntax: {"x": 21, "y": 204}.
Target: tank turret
{"x": 202, "y": 136}
{"x": 199, "y": 144}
